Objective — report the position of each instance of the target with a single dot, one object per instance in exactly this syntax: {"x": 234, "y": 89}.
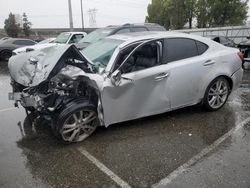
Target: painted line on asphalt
{"x": 164, "y": 182}
{"x": 7, "y": 109}
{"x": 104, "y": 169}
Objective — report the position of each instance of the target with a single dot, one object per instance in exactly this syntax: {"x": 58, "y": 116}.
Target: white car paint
{"x": 46, "y": 45}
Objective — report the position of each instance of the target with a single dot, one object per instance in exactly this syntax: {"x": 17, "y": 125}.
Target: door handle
{"x": 161, "y": 76}
{"x": 209, "y": 62}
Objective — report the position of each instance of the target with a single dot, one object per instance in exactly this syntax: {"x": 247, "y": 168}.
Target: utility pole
{"x": 92, "y": 17}
{"x": 82, "y": 16}
{"x": 70, "y": 17}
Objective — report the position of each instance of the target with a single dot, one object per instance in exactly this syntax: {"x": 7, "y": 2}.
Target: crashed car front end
{"x": 48, "y": 81}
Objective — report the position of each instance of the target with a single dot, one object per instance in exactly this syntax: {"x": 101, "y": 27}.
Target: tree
{"x": 228, "y": 12}
{"x": 190, "y": 6}
{"x": 174, "y": 14}
{"x": 169, "y": 13}
{"x": 214, "y": 13}
{"x": 177, "y": 13}
{"x": 26, "y": 25}
{"x": 157, "y": 13}
{"x": 203, "y": 13}
{"x": 11, "y": 27}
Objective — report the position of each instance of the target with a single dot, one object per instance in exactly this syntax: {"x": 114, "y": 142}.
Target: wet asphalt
{"x": 140, "y": 152}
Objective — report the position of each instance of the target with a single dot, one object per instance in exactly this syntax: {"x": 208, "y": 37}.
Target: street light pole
{"x": 70, "y": 16}
{"x": 82, "y": 16}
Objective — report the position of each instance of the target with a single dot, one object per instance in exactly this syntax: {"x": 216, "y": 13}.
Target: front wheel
{"x": 216, "y": 94}
{"x": 76, "y": 122}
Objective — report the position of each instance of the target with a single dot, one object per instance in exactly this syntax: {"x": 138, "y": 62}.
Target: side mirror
{"x": 116, "y": 78}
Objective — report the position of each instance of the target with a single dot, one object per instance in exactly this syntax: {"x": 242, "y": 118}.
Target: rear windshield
{"x": 62, "y": 38}
{"x": 96, "y": 35}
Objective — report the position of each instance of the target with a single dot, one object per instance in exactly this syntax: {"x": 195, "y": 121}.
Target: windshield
{"x": 45, "y": 41}
{"x": 96, "y": 35}
{"x": 101, "y": 52}
{"x": 62, "y": 38}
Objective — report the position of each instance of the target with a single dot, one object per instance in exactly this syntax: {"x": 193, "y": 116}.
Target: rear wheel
{"x": 76, "y": 122}
{"x": 216, "y": 94}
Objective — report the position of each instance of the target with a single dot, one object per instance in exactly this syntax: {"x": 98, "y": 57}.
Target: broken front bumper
{"x": 25, "y": 100}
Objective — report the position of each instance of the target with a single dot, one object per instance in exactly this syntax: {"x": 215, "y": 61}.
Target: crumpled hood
{"x": 30, "y": 69}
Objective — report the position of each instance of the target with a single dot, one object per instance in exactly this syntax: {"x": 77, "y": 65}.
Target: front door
{"x": 143, "y": 90}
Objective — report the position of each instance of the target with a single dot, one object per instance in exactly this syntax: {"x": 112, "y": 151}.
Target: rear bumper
{"x": 237, "y": 78}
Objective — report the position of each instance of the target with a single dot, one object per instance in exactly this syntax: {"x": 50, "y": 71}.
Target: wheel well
{"x": 230, "y": 81}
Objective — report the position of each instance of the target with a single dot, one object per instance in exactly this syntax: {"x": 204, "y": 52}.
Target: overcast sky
{"x": 54, "y": 13}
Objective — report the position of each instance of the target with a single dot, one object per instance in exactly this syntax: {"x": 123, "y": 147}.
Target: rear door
{"x": 187, "y": 70}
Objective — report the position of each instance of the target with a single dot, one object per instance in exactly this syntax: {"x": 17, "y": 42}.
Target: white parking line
{"x": 164, "y": 182}
{"x": 7, "y": 109}
{"x": 104, "y": 169}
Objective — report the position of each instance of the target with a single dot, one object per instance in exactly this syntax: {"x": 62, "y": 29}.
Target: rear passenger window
{"x": 126, "y": 30}
{"x": 179, "y": 48}
{"x": 202, "y": 48}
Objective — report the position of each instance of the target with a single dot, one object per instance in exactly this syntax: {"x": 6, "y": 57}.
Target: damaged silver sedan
{"x": 121, "y": 78}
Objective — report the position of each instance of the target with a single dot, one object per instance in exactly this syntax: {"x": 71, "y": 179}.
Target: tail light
{"x": 240, "y": 54}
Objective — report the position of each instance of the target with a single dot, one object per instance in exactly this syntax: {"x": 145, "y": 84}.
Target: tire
{"x": 5, "y": 55}
{"x": 216, "y": 94}
{"x": 75, "y": 122}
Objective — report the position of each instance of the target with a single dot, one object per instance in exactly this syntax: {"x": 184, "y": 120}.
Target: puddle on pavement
{"x": 141, "y": 151}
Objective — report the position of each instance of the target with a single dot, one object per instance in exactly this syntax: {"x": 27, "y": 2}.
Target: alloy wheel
{"x": 218, "y": 94}
{"x": 79, "y": 126}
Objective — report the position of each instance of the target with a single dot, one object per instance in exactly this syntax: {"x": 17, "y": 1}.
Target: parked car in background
{"x": 223, "y": 40}
{"x": 245, "y": 49}
{"x": 113, "y": 30}
{"x": 7, "y": 45}
{"x": 123, "y": 77}
{"x": 45, "y": 41}
{"x": 63, "y": 38}
{"x": 43, "y": 44}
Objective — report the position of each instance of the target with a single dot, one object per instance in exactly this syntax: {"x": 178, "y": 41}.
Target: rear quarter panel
{"x": 227, "y": 62}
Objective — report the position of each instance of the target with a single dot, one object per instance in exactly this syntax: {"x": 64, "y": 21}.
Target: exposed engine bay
{"x": 66, "y": 81}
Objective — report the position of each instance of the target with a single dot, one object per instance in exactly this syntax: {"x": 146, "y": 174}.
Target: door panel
{"x": 140, "y": 94}
{"x": 187, "y": 78}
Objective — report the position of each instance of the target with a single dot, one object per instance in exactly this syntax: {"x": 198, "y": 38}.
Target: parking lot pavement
{"x": 138, "y": 153}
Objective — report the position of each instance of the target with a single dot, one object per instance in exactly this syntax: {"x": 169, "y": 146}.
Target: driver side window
{"x": 146, "y": 56}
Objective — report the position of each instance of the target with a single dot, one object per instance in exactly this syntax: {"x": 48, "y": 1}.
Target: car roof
{"x": 148, "y": 25}
{"x": 75, "y": 32}
{"x": 140, "y": 36}
{"x": 10, "y": 40}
